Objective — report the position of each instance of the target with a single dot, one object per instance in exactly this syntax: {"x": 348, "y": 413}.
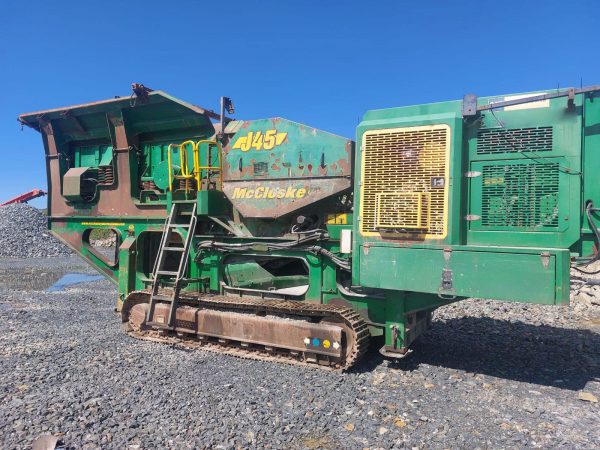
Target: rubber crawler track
{"x": 347, "y": 316}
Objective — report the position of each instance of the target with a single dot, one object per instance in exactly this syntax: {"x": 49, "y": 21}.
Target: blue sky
{"x": 323, "y": 63}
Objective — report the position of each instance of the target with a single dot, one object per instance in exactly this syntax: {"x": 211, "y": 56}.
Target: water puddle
{"x": 71, "y": 279}
{"x": 30, "y": 279}
{"x": 41, "y": 279}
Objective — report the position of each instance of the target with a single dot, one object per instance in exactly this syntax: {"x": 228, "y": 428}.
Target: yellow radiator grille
{"x": 402, "y": 209}
{"x": 405, "y": 181}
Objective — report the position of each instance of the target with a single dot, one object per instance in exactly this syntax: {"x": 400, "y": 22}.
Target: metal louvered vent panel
{"x": 404, "y": 178}
{"x": 538, "y": 139}
{"x": 520, "y": 195}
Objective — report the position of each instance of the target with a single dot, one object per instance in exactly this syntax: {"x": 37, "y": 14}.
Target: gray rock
{"x": 24, "y": 233}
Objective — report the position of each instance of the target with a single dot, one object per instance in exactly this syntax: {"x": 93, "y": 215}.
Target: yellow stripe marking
{"x": 103, "y": 224}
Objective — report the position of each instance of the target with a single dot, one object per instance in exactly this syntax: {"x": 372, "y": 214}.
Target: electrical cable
{"x": 589, "y": 208}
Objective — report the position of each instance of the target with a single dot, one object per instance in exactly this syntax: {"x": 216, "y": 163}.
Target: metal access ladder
{"x": 160, "y": 273}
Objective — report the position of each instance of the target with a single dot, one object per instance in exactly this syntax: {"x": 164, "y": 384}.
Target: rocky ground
{"x": 24, "y": 233}
{"x": 487, "y": 375}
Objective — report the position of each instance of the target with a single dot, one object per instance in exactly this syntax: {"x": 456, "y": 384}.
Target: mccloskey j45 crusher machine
{"x": 271, "y": 239}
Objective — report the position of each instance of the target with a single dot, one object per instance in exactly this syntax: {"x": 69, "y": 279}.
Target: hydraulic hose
{"x": 298, "y": 244}
{"x": 589, "y": 209}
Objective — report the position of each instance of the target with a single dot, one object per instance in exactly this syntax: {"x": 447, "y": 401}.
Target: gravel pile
{"x": 110, "y": 241}
{"x": 584, "y": 292}
{"x": 487, "y": 375}
{"x": 24, "y": 233}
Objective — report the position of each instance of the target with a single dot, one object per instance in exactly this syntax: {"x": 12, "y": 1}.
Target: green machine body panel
{"x": 275, "y": 166}
{"x": 460, "y": 271}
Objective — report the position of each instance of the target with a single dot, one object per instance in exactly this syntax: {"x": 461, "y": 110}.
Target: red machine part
{"x": 25, "y": 197}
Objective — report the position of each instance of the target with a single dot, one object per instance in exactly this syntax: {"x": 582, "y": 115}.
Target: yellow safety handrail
{"x": 183, "y": 161}
{"x": 170, "y": 165}
{"x": 197, "y": 169}
{"x": 208, "y": 166}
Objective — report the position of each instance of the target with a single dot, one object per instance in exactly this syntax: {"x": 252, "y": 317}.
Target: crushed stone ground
{"x": 24, "y": 233}
{"x": 487, "y": 375}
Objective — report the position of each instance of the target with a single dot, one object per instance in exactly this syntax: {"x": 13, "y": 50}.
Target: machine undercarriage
{"x": 293, "y": 332}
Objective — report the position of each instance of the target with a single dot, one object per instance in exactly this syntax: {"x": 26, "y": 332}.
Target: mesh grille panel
{"x": 404, "y": 180}
{"x": 520, "y": 195}
{"x": 402, "y": 210}
{"x": 514, "y": 140}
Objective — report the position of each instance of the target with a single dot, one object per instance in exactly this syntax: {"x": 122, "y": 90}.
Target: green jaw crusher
{"x": 275, "y": 240}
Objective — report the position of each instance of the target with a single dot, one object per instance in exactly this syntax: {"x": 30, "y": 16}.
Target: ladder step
{"x": 170, "y": 277}
{"x": 166, "y": 272}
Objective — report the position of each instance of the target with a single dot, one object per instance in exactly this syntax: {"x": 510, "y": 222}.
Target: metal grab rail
{"x": 208, "y": 166}
{"x": 183, "y": 161}
{"x": 197, "y": 168}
